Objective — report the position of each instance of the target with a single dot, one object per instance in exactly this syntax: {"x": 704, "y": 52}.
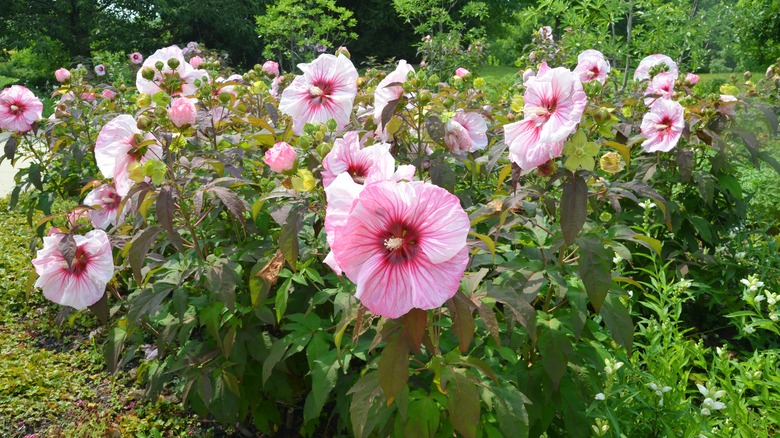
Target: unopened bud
{"x": 747, "y": 75}
{"x": 343, "y": 51}
{"x": 224, "y": 97}
{"x": 408, "y": 87}
{"x": 147, "y": 73}
{"x": 424, "y": 96}
{"x": 332, "y": 125}
{"x": 143, "y": 123}
{"x": 433, "y": 80}
{"x": 173, "y": 63}
{"x": 447, "y": 102}
{"x": 602, "y": 115}
{"x": 159, "y": 65}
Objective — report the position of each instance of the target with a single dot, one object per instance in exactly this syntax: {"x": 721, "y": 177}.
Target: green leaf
{"x": 618, "y": 321}
{"x": 595, "y": 269}
{"x": 281, "y": 299}
{"x": 278, "y": 349}
{"x": 288, "y": 238}
{"x": 364, "y": 392}
{"x": 166, "y": 209}
{"x": 415, "y": 323}
{"x": 114, "y": 345}
{"x": 34, "y": 172}
{"x": 462, "y": 320}
{"x": 323, "y": 377}
{"x": 463, "y": 403}
{"x": 555, "y": 348}
{"x": 393, "y": 369}
{"x": 232, "y": 202}
{"x": 424, "y": 418}
{"x": 443, "y": 176}
{"x": 139, "y": 247}
{"x": 574, "y": 207}
{"x": 510, "y": 411}
{"x": 702, "y": 226}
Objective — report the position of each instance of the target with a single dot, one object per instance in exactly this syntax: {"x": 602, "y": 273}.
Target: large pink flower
{"x": 19, "y": 109}
{"x": 388, "y": 90}
{"x": 84, "y": 282}
{"x": 403, "y": 244}
{"x": 642, "y": 72}
{"x": 115, "y": 149}
{"x": 662, "y": 126}
{"x": 176, "y": 82}
{"x": 361, "y": 164}
{"x": 554, "y": 103}
{"x": 106, "y": 201}
{"x": 466, "y": 132}
{"x": 325, "y": 91}
{"x": 591, "y": 66}
{"x": 662, "y": 85}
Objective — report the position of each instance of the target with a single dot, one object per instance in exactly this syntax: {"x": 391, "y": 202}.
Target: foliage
{"x": 297, "y": 30}
{"x": 573, "y": 267}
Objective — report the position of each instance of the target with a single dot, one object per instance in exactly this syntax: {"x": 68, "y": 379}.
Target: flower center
{"x": 315, "y": 91}
{"x": 80, "y": 261}
{"x": 14, "y": 108}
{"x": 394, "y": 243}
{"x": 665, "y": 124}
{"x": 401, "y": 243}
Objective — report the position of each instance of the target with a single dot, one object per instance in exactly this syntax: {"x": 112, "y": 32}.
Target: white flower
{"x": 600, "y": 396}
{"x": 749, "y": 330}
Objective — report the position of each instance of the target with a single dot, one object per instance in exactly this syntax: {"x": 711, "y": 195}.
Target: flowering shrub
{"x": 382, "y": 253}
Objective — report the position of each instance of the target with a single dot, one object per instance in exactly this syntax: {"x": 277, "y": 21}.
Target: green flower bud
{"x": 408, "y": 87}
{"x": 143, "y": 123}
{"x": 224, "y": 97}
{"x": 147, "y": 73}
{"x": 144, "y": 100}
{"x": 173, "y": 63}
{"x": 331, "y": 124}
{"x": 159, "y": 65}
{"x": 424, "y": 97}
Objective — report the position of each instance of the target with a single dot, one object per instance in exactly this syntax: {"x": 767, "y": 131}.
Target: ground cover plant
{"x": 409, "y": 251}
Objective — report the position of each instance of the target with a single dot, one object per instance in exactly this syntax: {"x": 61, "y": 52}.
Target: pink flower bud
{"x": 343, "y": 51}
{"x": 196, "y": 61}
{"x": 182, "y": 112}
{"x": 62, "y": 75}
{"x": 271, "y": 68}
{"x": 461, "y": 72}
{"x": 423, "y": 63}
{"x": 100, "y": 69}
{"x": 108, "y": 94}
{"x": 281, "y": 157}
{"x": 691, "y": 79}
{"x": 89, "y": 97}
{"x": 528, "y": 74}
{"x": 136, "y": 58}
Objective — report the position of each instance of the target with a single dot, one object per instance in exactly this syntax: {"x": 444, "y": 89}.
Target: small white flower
{"x": 600, "y": 396}
{"x": 759, "y": 298}
{"x": 705, "y": 412}
{"x": 749, "y": 330}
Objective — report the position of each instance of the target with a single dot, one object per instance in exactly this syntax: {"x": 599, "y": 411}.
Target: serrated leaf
{"x": 415, "y": 323}
{"x": 323, "y": 377}
{"x": 166, "y": 208}
{"x": 67, "y": 247}
{"x": 232, "y": 202}
{"x": 489, "y": 319}
{"x": 555, "y": 349}
{"x": 618, "y": 321}
{"x": 595, "y": 269}
{"x": 574, "y": 207}
{"x": 288, "y": 238}
{"x": 393, "y": 369}
{"x": 463, "y": 403}
{"x": 462, "y": 320}
{"x": 139, "y": 247}
{"x": 387, "y": 112}
{"x": 510, "y": 411}
{"x": 424, "y": 417}
{"x": 364, "y": 392}
{"x": 278, "y": 349}
{"x": 9, "y": 150}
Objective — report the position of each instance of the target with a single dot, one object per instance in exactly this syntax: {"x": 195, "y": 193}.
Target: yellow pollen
{"x": 315, "y": 91}
{"x": 394, "y": 243}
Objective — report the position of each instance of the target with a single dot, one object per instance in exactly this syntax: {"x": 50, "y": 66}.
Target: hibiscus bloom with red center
{"x": 554, "y": 103}
{"x": 326, "y": 90}
{"x": 403, "y": 244}
{"x": 106, "y": 202}
{"x": 119, "y": 144}
{"x": 591, "y": 66}
{"x": 19, "y": 109}
{"x": 662, "y": 126}
{"x": 388, "y": 90}
{"x": 81, "y": 283}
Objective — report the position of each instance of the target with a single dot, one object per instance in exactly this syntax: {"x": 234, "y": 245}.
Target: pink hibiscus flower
{"x": 554, "y": 103}
{"x": 465, "y": 132}
{"x": 642, "y": 72}
{"x": 361, "y": 164}
{"x": 403, "y": 244}
{"x": 19, "y": 109}
{"x": 115, "y": 150}
{"x": 100, "y": 70}
{"x": 281, "y": 157}
{"x": 106, "y": 201}
{"x": 691, "y": 79}
{"x": 591, "y": 66}
{"x": 179, "y": 81}
{"x": 661, "y": 85}
{"x": 81, "y": 284}
{"x": 271, "y": 68}
{"x": 727, "y": 105}
{"x": 325, "y": 91}
{"x": 386, "y": 92}
{"x": 136, "y": 58}
{"x": 62, "y": 74}
{"x": 662, "y": 126}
